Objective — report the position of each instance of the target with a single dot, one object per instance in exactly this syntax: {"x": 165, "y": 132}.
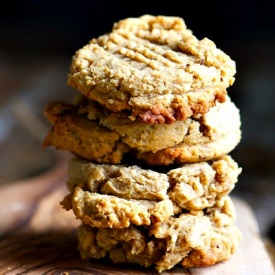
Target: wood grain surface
{"x": 37, "y": 236}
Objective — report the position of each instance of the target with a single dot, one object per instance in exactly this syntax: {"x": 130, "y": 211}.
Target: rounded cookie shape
{"x": 140, "y": 136}
{"x": 97, "y": 134}
{"x": 192, "y": 239}
{"x": 80, "y": 136}
{"x": 117, "y": 196}
{"x": 105, "y": 211}
{"x": 154, "y": 67}
{"x": 209, "y": 136}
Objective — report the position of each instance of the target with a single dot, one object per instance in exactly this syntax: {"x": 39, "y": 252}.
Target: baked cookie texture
{"x": 191, "y": 239}
{"x": 191, "y": 186}
{"x": 80, "y": 136}
{"x": 97, "y": 134}
{"x": 150, "y": 133}
{"x": 134, "y": 215}
{"x": 118, "y": 196}
{"x": 154, "y": 67}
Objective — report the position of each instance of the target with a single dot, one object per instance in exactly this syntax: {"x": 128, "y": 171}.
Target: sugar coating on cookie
{"x": 191, "y": 239}
{"x": 154, "y": 67}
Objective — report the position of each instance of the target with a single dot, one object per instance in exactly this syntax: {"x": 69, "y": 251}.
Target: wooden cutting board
{"x": 37, "y": 236}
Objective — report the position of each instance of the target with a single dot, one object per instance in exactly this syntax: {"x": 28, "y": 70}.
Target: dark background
{"x": 36, "y": 35}
{"x": 67, "y": 25}
{"x": 243, "y": 29}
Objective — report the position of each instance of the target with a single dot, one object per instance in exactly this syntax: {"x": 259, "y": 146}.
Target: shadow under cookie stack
{"x": 150, "y": 135}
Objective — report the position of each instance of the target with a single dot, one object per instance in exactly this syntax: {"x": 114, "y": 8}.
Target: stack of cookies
{"x": 150, "y": 135}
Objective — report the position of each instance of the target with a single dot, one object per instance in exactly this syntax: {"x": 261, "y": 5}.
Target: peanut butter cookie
{"x": 154, "y": 67}
{"x": 191, "y": 239}
{"x": 99, "y": 135}
{"x": 104, "y": 195}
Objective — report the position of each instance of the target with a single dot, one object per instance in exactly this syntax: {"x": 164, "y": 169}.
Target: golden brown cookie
{"x": 136, "y": 134}
{"x": 81, "y": 136}
{"x": 209, "y": 136}
{"x": 92, "y": 132}
{"x": 105, "y": 211}
{"x": 150, "y": 133}
{"x": 191, "y": 239}
{"x": 154, "y": 67}
{"x": 129, "y": 182}
{"x": 104, "y": 195}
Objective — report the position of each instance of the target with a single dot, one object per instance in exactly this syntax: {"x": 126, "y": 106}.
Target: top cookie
{"x": 154, "y": 67}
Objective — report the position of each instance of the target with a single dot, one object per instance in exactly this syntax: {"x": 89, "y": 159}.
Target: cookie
{"x": 214, "y": 134}
{"x": 99, "y": 135}
{"x": 191, "y": 239}
{"x": 81, "y": 136}
{"x": 104, "y": 195}
{"x": 106, "y": 211}
{"x": 136, "y": 134}
{"x": 150, "y": 134}
{"x": 153, "y": 67}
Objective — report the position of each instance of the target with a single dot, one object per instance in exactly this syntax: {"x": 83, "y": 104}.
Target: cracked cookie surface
{"x": 154, "y": 67}
{"x": 97, "y": 134}
{"x": 116, "y": 196}
{"x": 192, "y": 239}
